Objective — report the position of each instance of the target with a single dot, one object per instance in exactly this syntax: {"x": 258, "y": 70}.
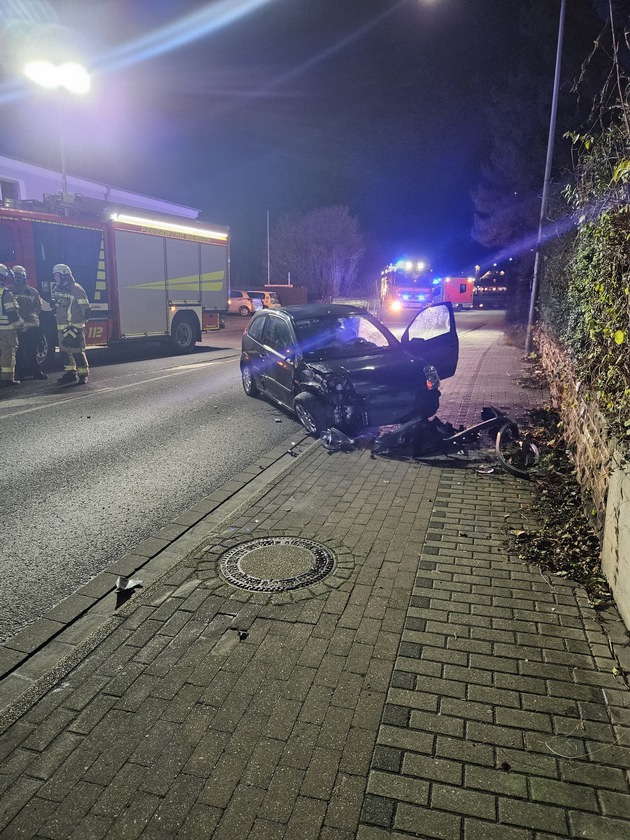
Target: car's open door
{"x": 432, "y": 336}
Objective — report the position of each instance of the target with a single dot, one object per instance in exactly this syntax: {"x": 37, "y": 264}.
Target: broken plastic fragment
{"x": 123, "y": 583}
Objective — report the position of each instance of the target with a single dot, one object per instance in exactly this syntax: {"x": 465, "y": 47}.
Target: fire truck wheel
{"x": 183, "y": 333}
{"x": 311, "y": 412}
{"x": 45, "y": 351}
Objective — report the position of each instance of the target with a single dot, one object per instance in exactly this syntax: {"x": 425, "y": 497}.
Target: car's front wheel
{"x": 244, "y": 311}
{"x": 311, "y": 412}
{"x": 249, "y": 382}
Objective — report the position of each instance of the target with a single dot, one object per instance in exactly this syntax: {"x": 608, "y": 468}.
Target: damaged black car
{"x": 338, "y": 366}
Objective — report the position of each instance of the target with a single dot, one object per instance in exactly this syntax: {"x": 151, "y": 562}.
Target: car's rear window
{"x": 258, "y": 295}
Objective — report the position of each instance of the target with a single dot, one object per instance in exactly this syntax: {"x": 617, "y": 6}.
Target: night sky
{"x": 295, "y": 105}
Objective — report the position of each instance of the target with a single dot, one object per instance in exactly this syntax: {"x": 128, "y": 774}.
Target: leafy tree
{"x": 321, "y": 249}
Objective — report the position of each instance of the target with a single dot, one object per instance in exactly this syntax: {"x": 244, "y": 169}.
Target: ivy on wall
{"x": 585, "y": 295}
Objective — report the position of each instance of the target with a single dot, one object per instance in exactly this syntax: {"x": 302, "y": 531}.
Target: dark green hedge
{"x": 585, "y": 288}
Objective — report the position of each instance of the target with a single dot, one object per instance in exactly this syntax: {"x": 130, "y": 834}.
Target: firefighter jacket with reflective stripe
{"x": 72, "y": 308}
{"x": 29, "y": 303}
{"x": 9, "y": 312}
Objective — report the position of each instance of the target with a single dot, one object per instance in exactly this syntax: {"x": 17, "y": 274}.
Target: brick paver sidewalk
{"x": 431, "y": 686}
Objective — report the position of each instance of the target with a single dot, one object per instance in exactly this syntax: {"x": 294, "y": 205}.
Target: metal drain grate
{"x": 276, "y": 564}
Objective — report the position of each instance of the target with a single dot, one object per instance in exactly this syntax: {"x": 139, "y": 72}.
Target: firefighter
{"x": 10, "y": 323}
{"x": 30, "y": 305}
{"x": 72, "y": 309}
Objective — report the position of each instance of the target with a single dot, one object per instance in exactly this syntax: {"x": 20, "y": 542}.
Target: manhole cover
{"x": 276, "y": 564}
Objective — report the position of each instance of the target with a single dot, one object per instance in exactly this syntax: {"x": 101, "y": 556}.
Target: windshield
{"x": 347, "y": 335}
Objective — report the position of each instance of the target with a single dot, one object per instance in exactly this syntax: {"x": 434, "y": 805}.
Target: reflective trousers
{"x": 73, "y": 357}
{"x": 8, "y": 343}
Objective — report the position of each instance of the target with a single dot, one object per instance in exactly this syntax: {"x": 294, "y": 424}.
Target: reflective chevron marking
{"x": 100, "y": 274}
{"x": 212, "y": 282}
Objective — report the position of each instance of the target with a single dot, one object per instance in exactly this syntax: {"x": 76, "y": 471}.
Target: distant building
{"x": 22, "y": 181}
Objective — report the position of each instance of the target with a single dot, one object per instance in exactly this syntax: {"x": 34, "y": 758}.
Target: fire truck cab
{"x": 405, "y": 285}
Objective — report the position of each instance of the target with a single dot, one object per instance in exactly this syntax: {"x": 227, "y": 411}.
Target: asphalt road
{"x": 89, "y": 472}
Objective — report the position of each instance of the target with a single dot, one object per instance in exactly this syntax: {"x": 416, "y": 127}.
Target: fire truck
{"x": 405, "y": 285}
{"x": 458, "y": 290}
{"x": 148, "y": 276}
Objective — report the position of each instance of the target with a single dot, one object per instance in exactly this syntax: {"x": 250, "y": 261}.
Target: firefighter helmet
{"x": 4, "y": 271}
{"x": 19, "y": 272}
{"x": 63, "y": 269}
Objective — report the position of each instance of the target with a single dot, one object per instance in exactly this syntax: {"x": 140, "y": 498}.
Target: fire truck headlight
{"x": 396, "y": 306}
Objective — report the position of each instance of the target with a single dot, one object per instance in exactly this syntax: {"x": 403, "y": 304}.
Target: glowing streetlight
{"x": 71, "y": 77}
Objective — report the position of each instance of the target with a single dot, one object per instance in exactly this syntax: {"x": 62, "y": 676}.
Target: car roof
{"x": 319, "y": 310}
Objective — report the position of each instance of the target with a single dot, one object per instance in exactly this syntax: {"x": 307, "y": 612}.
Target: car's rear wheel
{"x": 249, "y": 382}
{"x": 311, "y": 412}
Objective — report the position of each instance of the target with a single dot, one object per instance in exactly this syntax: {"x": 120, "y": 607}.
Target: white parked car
{"x": 268, "y": 299}
{"x": 241, "y": 303}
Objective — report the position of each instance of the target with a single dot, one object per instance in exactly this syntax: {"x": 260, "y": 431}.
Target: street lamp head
{"x": 73, "y": 77}
{"x": 42, "y": 73}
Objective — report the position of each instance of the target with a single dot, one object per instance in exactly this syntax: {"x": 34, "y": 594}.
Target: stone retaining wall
{"x": 602, "y": 470}
{"x": 585, "y": 429}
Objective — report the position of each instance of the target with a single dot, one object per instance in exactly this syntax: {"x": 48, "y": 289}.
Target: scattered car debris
{"x": 124, "y": 584}
{"x": 421, "y": 438}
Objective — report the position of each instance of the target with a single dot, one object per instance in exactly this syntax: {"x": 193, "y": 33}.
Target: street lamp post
{"x": 545, "y": 193}
{"x": 69, "y": 77}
